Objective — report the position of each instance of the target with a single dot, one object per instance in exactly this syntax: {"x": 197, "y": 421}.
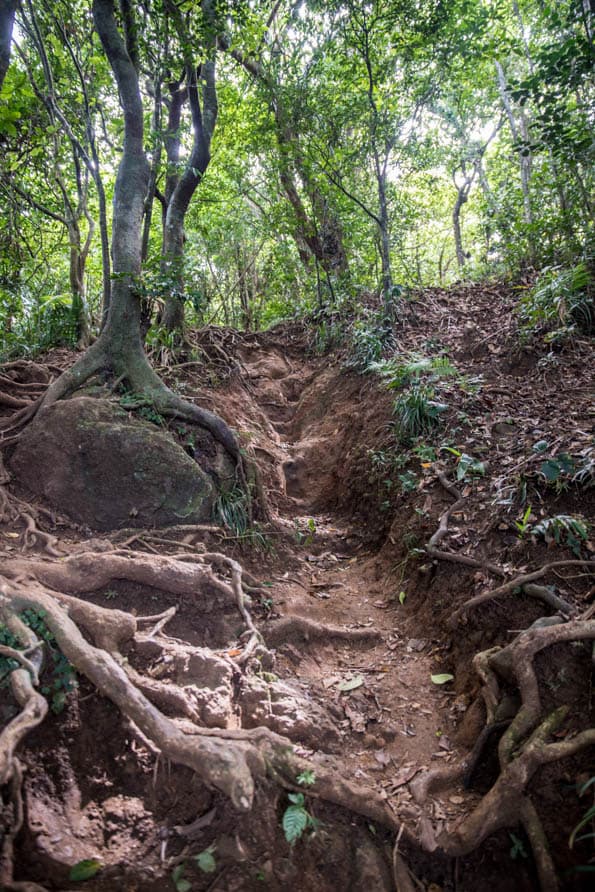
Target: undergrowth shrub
{"x": 560, "y": 303}
{"x": 370, "y": 337}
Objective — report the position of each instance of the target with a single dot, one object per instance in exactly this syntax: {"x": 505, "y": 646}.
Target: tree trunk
{"x": 519, "y": 134}
{"x": 456, "y": 225}
{"x": 204, "y": 111}
{"x": 119, "y": 348}
{"x": 383, "y": 225}
{"x": 77, "y": 285}
{"x": 7, "y": 11}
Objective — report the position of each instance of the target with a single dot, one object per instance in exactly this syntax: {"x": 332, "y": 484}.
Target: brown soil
{"x": 345, "y": 548}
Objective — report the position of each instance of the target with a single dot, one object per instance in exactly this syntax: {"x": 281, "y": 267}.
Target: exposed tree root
{"x": 288, "y": 627}
{"x": 229, "y": 760}
{"x": 520, "y": 582}
{"x": 523, "y": 749}
{"x": 455, "y": 557}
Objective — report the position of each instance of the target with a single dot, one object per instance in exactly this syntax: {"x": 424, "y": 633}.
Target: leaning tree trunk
{"x": 119, "y": 348}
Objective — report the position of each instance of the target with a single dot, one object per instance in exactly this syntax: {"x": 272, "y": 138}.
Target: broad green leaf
{"x": 205, "y": 861}
{"x": 295, "y": 821}
{"x": 442, "y": 678}
{"x": 84, "y": 870}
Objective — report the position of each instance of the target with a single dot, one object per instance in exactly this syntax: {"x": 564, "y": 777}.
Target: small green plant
{"x": 523, "y": 524}
{"x": 408, "y": 481}
{"x": 587, "y": 818}
{"x": 307, "y": 778}
{"x": 467, "y": 465}
{"x": 62, "y": 675}
{"x": 370, "y": 337}
{"x": 425, "y": 453}
{"x": 231, "y": 510}
{"x": 296, "y": 818}
{"x": 143, "y": 407}
{"x": 558, "y": 471}
{"x": 584, "y": 477}
{"x": 304, "y": 537}
{"x": 205, "y": 860}
{"x": 517, "y": 849}
{"x": 559, "y": 303}
{"x": 564, "y": 529}
{"x": 405, "y": 369}
{"x": 417, "y": 411}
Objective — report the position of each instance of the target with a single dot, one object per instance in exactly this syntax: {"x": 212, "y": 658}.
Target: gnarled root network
{"x": 524, "y": 747}
{"x": 92, "y": 638}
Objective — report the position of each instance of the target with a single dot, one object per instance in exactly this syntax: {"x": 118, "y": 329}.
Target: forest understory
{"x": 385, "y": 682}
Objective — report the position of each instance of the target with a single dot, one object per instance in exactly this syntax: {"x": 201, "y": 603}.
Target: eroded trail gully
{"x": 392, "y": 721}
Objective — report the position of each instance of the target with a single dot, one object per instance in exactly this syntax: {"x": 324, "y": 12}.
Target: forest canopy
{"x": 298, "y": 155}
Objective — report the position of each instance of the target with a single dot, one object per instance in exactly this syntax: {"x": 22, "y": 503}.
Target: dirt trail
{"x": 394, "y": 717}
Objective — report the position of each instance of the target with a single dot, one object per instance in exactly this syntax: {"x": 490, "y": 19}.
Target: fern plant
{"x": 400, "y": 371}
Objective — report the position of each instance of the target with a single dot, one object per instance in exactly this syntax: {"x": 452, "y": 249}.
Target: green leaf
{"x": 307, "y": 777}
{"x": 442, "y": 678}
{"x": 295, "y": 821}
{"x": 550, "y": 470}
{"x": 84, "y": 870}
{"x": 351, "y": 684}
{"x": 402, "y": 597}
{"x": 205, "y": 860}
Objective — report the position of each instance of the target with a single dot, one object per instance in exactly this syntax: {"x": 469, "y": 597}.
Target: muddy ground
{"x": 346, "y": 546}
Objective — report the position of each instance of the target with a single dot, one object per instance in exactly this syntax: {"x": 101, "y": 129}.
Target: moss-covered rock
{"x": 102, "y": 467}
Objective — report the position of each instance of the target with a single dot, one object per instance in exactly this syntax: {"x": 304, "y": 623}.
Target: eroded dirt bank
{"x": 361, "y": 581}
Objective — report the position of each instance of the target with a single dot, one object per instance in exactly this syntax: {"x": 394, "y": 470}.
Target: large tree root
{"x": 524, "y": 581}
{"x": 523, "y": 749}
{"x": 229, "y": 760}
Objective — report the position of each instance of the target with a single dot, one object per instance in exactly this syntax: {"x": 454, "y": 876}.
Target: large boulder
{"x": 107, "y": 469}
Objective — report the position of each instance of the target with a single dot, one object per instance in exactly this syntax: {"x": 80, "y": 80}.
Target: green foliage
{"x": 587, "y": 819}
{"x": 370, "y": 337}
{"x": 517, "y": 849}
{"x": 417, "y": 412}
{"x": 402, "y": 370}
{"x": 305, "y": 536}
{"x": 231, "y": 510}
{"x": 408, "y": 481}
{"x": 467, "y": 465}
{"x": 564, "y": 529}
{"x": 561, "y": 302}
{"x": 523, "y": 524}
{"x": 296, "y": 818}
{"x": 141, "y": 406}
{"x": 205, "y": 860}
{"x": 181, "y": 884}
{"x": 84, "y": 870}
{"x": 61, "y": 674}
